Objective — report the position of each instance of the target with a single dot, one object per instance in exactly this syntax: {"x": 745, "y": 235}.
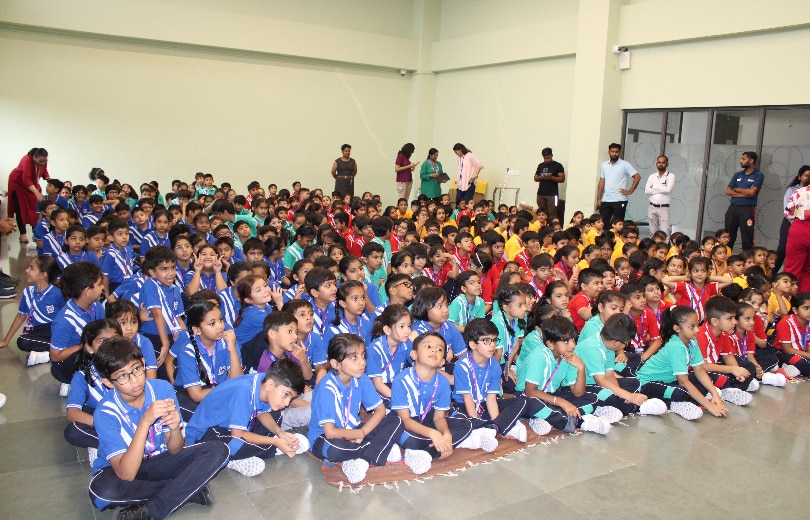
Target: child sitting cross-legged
{"x": 142, "y": 464}
{"x": 336, "y": 433}
{"x": 241, "y": 415}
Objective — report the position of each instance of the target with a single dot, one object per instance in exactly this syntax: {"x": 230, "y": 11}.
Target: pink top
{"x": 467, "y": 165}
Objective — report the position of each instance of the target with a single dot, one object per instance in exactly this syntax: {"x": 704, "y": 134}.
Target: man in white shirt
{"x": 659, "y": 186}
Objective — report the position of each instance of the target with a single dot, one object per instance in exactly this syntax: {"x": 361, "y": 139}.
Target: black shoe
{"x": 136, "y": 512}
{"x": 7, "y": 284}
{"x": 4, "y": 276}
{"x": 7, "y": 293}
{"x": 204, "y": 497}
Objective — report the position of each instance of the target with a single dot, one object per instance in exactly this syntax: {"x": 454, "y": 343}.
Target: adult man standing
{"x": 742, "y": 210}
{"x": 612, "y": 192}
{"x": 659, "y": 186}
{"x": 549, "y": 174}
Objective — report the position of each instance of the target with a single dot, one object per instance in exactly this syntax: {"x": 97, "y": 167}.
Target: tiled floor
{"x": 752, "y": 464}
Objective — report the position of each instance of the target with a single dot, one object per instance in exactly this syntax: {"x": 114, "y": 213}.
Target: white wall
{"x": 143, "y": 113}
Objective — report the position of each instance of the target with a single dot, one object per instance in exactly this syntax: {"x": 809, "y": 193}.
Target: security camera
{"x": 402, "y": 72}
{"x": 618, "y": 49}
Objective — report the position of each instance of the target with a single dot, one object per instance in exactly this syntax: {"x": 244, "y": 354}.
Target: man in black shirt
{"x": 549, "y": 174}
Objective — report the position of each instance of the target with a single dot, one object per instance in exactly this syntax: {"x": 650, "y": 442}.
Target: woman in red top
{"x": 403, "y": 167}
{"x": 24, "y": 189}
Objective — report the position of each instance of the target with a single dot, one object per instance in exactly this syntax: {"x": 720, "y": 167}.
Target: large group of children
{"x": 204, "y": 329}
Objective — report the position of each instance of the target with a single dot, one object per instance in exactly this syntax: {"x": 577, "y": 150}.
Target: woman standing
{"x": 468, "y": 169}
{"x": 797, "y": 257}
{"x": 24, "y": 189}
{"x": 802, "y": 179}
{"x": 344, "y": 170}
{"x": 430, "y": 172}
{"x": 403, "y": 167}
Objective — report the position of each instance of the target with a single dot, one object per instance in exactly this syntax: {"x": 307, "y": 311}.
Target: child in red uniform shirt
{"x": 590, "y": 285}
{"x": 792, "y": 336}
{"x": 647, "y": 340}
{"x": 692, "y": 290}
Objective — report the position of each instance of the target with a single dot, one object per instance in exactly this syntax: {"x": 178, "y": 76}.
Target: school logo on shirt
{"x": 49, "y": 309}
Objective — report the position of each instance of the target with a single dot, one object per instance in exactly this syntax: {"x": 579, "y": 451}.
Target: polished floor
{"x": 752, "y": 464}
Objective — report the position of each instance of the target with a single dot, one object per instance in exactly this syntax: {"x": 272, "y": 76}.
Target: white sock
{"x": 472, "y": 442}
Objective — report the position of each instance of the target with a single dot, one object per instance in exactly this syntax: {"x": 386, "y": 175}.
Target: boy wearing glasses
{"x": 142, "y": 465}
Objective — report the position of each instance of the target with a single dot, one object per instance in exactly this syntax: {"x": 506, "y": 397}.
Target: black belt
{"x": 659, "y": 205}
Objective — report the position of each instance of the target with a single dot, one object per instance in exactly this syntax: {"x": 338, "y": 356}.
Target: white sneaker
{"x": 736, "y": 396}
{"x": 31, "y": 245}
{"x": 64, "y": 390}
{"x": 37, "y": 358}
{"x": 611, "y": 413}
{"x": 687, "y": 410}
{"x": 418, "y": 460}
{"x": 303, "y": 444}
{"x": 592, "y": 423}
{"x": 2, "y": 400}
{"x": 92, "y": 455}
{"x": 489, "y": 443}
{"x": 473, "y": 441}
{"x": 539, "y": 426}
{"x": 518, "y": 432}
{"x": 355, "y": 470}
{"x": 488, "y": 432}
{"x": 395, "y": 455}
{"x": 774, "y": 379}
{"x": 652, "y": 407}
{"x": 791, "y": 371}
{"x": 753, "y": 386}
{"x": 249, "y": 467}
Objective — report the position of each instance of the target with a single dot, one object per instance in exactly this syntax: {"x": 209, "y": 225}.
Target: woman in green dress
{"x": 431, "y": 170}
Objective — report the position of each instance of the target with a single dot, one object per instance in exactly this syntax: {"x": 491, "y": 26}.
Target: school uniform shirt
{"x": 513, "y": 247}
{"x": 789, "y": 332}
{"x": 462, "y": 311}
{"x": 80, "y": 209}
{"x": 375, "y": 277}
{"x": 117, "y": 263}
{"x": 531, "y": 342}
{"x": 83, "y": 395}
{"x": 387, "y": 254}
{"x": 116, "y": 422}
{"x": 355, "y": 244}
{"x": 322, "y": 318}
{"x": 91, "y": 219}
{"x": 742, "y": 344}
{"x": 130, "y": 289}
{"x": 647, "y": 330}
{"x": 70, "y": 321}
{"x": 289, "y": 294}
{"x": 155, "y": 295}
{"x": 476, "y": 380}
{"x": 361, "y": 328}
{"x": 229, "y": 304}
{"x": 539, "y": 286}
{"x": 52, "y": 244}
{"x": 252, "y": 323}
{"x": 277, "y": 272}
{"x": 293, "y": 254}
{"x": 576, "y": 304}
{"x": 439, "y": 276}
{"x": 152, "y": 239}
{"x": 373, "y": 293}
{"x": 712, "y": 347}
{"x": 597, "y": 358}
{"x": 41, "y": 307}
{"x": 147, "y": 351}
{"x": 207, "y": 281}
{"x": 741, "y": 280}
{"x": 381, "y": 363}
{"x": 773, "y": 303}
{"x": 65, "y": 259}
{"x": 673, "y": 359}
{"x": 334, "y": 402}
{"x": 590, "y": 237}
{"x": 759, "y": 329}
{"x": 40, "y": 231}
{"x": 180, "y": 277}
{"x": 662, "y": 306}
{"x": 506, "y": 341}
{"x": 524, "y": 260}
{"x": 216, "y": 364}
{"x": 689, "y": 296}
{"x": 547, "y": 373}
{"x": 451, "y": 335}
{"x": 234, "y": 405}
{"x": 136, "y": 234}
{"x": 409, "y": 392}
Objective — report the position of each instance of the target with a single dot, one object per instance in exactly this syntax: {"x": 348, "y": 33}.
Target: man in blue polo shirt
{"x": 612, "y": 192}
{"x": 742, "y": 210}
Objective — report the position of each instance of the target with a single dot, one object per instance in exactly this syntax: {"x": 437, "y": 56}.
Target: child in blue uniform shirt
{"x": 229, "y": 304}
{"x": 161, "y": 299}
{"x": 254, "y": 298}
{"x": 335, "y": 430}
{"x": 555, "y": 375}
{"x": 297, "y": 275}
{"x": 207, "y": 355}
{"x": 430, "y": 313}
{"x": 39, "y": 304}
{"x": 75, "y": 250}
{"x": 125, "y": 313}
{"x": 43, "y": 227}
{"x": 82, "y": 283}
{"x": 390, "y": 349}
{"x": 159, "y": 236}
{"x": 241, "y": 414}
{"x": 320, "y": 286}
{"x": 118, "y": 262}
{"x": 53, "y": 241}
{"x": 142, "y": 464}
{"x": 421, "y": 398}
{"x": 96, "y": 211}
{"x": 86, "y": 387}
{"x": 350, "y": 312}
